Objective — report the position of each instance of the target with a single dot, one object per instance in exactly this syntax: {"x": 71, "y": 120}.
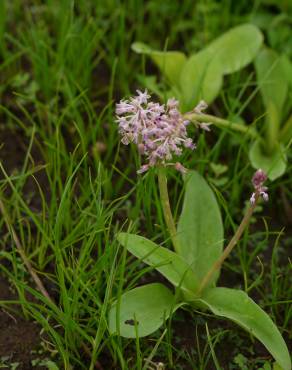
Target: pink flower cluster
{"x": 260, "y": 190}
{"x": 159, "y": 130}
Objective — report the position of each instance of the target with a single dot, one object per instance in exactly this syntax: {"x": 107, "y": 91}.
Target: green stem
{"x": 230, "y": 246}
{"x": 220, "y": 122}
{"x": 162, "y": 182}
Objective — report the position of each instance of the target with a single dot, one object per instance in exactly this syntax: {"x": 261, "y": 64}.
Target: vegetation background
{"x": 67, "y": 186}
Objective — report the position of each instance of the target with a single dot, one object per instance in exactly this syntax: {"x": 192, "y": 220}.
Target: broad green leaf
{"x": 238, "y": 307}
{"x": 169, "y": 62}
{"x": 201, "y": 78}
{"x": 168, "y": 263}
{"x": 274, "y": 165}
{"x": 236, "y": 48}
{"x": 271, "y": 70}
{"x": 200, "y": 229}
{"x": 143, "y": 309}
{"x": 202, "y": 74}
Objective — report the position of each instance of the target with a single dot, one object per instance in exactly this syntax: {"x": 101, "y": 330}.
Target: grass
{"x": 68, "y": 186}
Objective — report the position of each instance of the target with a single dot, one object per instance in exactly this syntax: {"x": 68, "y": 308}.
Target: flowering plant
{"x": 193, "y": 267}
{"x": 200, "y": 76}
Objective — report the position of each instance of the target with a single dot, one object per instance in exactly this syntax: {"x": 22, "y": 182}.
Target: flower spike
{"x": 259, "y": 190}
{"x": 158, "y": 130}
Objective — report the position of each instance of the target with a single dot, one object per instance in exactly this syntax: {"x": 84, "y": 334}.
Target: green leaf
{"x": 202, "y": 74}
{"x": 274, "y": 164}
{"x": 273, "y": 80}
{"x": 200, "y": 229}
{"x": 271, "y": 70}
{"x": 169, "y": 62}
{"x": 238, "y": 307}
{"x": 172, "y": 266}
{"x": 218, "y": 168}
{"x": 143, "y": 309}
{"x": 201, "y": 78}
{"x": 236, "y": 48}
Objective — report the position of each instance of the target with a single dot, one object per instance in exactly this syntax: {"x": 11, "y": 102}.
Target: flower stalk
{"x": 260, "y": 191}
{"x": 236, "y": 237}
{"x": 162, "y": 183}
{"x": 220, "y": 122}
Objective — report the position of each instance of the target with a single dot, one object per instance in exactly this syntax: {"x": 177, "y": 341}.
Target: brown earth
{"x": 19, "y": 338}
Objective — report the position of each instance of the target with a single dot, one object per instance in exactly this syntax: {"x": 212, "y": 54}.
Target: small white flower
{"x": 205, "y": 126}
{"x": 252, "y": 199}
{"x": 200, "y": 107}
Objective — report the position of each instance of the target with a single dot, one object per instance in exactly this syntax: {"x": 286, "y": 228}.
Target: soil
{"x": 19, "y": 338}
{"x": 20, "y": 343}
